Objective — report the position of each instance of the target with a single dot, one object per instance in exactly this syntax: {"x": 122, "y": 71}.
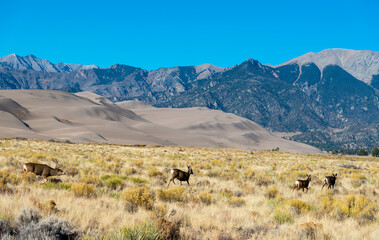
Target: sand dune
{"x": 87, "y": 117}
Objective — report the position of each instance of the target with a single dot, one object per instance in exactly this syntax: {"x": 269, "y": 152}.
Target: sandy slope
{"x": 87, "y": 117}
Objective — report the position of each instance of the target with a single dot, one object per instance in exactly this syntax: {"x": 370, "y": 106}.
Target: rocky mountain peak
{"x": 362, "y": 64}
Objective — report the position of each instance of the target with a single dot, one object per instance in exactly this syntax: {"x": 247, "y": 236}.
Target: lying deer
{"x": 42, "y": 170}
{"x": 330, "y": 181}
{"x": 180, "y": 175}
{"x": 302, "y": 183}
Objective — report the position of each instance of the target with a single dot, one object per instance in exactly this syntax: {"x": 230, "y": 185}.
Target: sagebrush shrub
{"x": 91, "y": 179}
{"x": 172, "y": 194}
{"x": 83, "y": 190}
{"x": 139, "y": 196}
{"x": 236, "y": 202}
{"x": 282, "y": 216}
{"x": 27, "y": 216}
{"x": 28, "y": 177}
{"x": 205, "y": 197}
{"x": 272, "y": 192}
{"x": 298, "y": 206}
{"x": 49, "y": 228}
{"x": 113, "y": 183}
{"x": 167, "y": 229}
{"x": 310, "y": 230}
{"x": 153, "y": 172}
{"x": 6, "y": 177}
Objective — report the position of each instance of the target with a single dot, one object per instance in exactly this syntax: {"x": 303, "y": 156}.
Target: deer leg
{"x": 323, "y": 186}
{"x": 188, "y": 182}
{"x": 169, "y": 182}
{"x": 44, "y": 180}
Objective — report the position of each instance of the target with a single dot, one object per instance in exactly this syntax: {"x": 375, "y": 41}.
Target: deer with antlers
{"x": 43, "y": 170}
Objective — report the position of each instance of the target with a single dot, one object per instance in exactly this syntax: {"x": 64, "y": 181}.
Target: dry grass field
{"x": 120, "y": 192}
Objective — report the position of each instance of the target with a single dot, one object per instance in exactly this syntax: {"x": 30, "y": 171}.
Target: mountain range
{"x": 327, "y": 99}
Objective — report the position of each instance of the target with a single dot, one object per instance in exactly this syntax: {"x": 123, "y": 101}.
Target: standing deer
{"x": 180, "y": 175}
{"x": 302, "y": 183}
{"x": 42, "y": 170}
{"x": 330, "y": 181}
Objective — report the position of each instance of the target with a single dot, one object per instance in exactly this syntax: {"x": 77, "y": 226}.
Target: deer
{"x": 302, "y": 184}
{"x": 180, "y": 175}
{"x": 43, "y": 170}
{"x": 330, "y": 181}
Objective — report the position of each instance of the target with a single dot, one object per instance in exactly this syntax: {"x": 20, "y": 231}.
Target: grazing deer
{"x": 302, "y": 183}
{"x": 330, "y": 181}
{"x": 180, "y": 175}
{"x": 42, "y": 170}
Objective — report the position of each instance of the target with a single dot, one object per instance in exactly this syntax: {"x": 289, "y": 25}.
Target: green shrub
{"x": 282, "y": 216}
{"x": 375, "y": 152}
{"x": 60, "y": 186}
{"x": 83, "y": 190}
{"x": 113, "y": 183}
{"x": 362, "y": 152}
{"x": 141, "y": 231}
{"x": 137, "y": 180}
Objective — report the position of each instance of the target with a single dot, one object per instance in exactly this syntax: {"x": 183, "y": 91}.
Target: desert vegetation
{"x": 120, "y": 192}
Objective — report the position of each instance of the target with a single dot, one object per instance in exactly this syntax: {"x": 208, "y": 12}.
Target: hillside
{"x": 120, "y": 192}
{"x": 87, "y": 117}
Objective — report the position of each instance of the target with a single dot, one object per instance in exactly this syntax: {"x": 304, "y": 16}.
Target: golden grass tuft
{"x": 139, "y": 197}
{"x": 83, "y": 190}
{"x": 176, "y": 194}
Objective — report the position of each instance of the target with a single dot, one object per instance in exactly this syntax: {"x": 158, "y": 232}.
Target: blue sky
{"x": 153, "y": 34}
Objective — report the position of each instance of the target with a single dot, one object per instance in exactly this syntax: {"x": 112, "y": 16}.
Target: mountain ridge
{"x": 298, "y": 97}
{"x": 362, "y": 64}
{"x": 31, "y": 62}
